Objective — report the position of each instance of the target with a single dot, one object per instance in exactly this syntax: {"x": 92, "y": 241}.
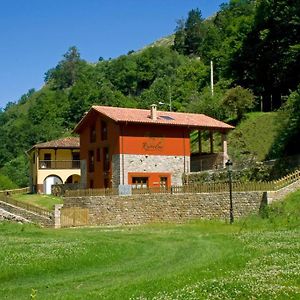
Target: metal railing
{"x": 59, "y": 164}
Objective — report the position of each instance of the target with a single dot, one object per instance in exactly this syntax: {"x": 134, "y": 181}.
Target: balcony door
{"x": 47, "y": 159}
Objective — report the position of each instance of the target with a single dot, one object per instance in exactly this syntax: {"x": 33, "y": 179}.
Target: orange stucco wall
{"x": 112, "y": 143}
{"x": 128, "y": 139}
{"x": 154, "y": 140}
{"x": 153, "y": 178}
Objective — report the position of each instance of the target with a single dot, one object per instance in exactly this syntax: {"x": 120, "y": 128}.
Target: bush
{"x": 17, "y": 171}
{"x": 237, "y": 101}
{"x": 6, "y": 183}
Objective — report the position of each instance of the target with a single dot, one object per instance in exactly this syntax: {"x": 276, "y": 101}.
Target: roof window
{"x": 167, "y": 118}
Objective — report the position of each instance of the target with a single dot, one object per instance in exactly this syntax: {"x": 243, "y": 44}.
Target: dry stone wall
{"x": 143, "y": 209}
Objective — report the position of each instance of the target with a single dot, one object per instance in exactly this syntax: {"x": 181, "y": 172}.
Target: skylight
{"x": 167, "y": 118}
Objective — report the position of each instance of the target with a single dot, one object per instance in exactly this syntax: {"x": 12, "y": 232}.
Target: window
{"x": 105, "y": 159}
{"x": 163, "y": 182}
{"x": 139, "y": 182}
{"x": 75, "y": 160}
{"x": 167, "y": 118}
{"x": 103, "y": 131}
{"x": 93, "y": 134}
{"x": 91, "y": 184}
{"x": 91, "y": 161}
{"x": 98, "y": 155}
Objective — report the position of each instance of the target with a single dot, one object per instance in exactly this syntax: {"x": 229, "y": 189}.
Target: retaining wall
{"x": 281, "y": 193}
{"x": 30, "y": 216}
{"x": 154, "y": 208}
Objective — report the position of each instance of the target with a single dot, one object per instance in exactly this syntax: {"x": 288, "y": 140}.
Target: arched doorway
{"x": 73, "y": 179}
{"x": 49, "y": 181}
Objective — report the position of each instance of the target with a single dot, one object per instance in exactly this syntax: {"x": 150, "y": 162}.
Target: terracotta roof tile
{"x": 68, "y": 142}
{"x": 131, "y": 115}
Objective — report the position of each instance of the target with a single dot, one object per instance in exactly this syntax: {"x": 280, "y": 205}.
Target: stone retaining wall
{"x": 280, "y": 194}
{"x": 143, "y": 209}
{"x": 6, "y": 216}
{"x": 33, "y": 217}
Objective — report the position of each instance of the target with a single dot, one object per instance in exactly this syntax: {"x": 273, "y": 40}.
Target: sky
{"x": 34, "y": 34}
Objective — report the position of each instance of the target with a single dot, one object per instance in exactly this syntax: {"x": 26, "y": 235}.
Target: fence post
{"x": 57, "y": 215}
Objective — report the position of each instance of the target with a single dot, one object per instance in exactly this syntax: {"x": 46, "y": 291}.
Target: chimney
{"x": 153, "y": 112}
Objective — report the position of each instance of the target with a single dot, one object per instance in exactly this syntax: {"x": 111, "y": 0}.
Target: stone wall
{"x": 176, "y": 165}
{"x": 280, "y": 194}
{"x": 6, "y": 216}
{"x": 143, "y": 209}
{"x": 31, "y": 216}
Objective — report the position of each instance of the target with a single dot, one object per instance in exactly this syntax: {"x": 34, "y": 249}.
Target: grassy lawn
{"x": 43, "y": 201}
{"x": 253, "y": 259}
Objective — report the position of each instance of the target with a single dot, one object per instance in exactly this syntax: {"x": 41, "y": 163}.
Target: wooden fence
{"x": 15, "y": 191}
{"x": 212, "y": 187}
{"x": 4, "y": 197}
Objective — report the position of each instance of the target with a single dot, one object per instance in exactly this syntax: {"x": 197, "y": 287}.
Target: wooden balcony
{"x": 59, "y": 164}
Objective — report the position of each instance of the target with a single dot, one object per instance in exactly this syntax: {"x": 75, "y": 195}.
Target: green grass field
{"x": 43, "y": 201}
{"x": 254, "y": 136}
{"x": 256, "y": 258}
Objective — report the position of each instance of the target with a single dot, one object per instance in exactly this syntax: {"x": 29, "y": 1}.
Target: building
{"x": 54, "y": 162}
{"x": 144, "y": 148}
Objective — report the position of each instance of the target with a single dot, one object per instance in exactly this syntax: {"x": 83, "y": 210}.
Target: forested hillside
{"x": 255, "y": 49}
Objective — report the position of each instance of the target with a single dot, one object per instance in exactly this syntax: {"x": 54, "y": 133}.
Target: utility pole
{"x": 170, "y": 97}
{"x": 212, "y": 77}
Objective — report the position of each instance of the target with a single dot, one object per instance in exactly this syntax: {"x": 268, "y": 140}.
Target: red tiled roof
{"x": 68, "y": 142}
{"x": 131, "y": 115}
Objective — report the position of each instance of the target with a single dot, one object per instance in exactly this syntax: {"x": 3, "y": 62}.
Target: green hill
{"x": 254, "y": 137}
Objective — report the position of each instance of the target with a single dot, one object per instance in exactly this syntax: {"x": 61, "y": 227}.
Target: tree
{"x": 269, "y": 60}
{"x": 65, "y": 73}
{"x": 287, "y": 142}
{"x": 209, "y": 104}
{"x": 193, "y": 29}
{"x": 237, "y": 101}
{"x": 17, "y": 170}
{"x": 179, "y": 39}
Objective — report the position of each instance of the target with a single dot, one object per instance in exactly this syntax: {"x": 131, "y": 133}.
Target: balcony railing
{"x": 59, "y": 164}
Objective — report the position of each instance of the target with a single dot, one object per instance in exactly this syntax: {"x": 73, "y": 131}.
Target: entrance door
{"x": 49, "y": 181}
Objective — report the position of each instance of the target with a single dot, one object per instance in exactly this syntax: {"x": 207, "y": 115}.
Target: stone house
{"x": 144, "y": 148}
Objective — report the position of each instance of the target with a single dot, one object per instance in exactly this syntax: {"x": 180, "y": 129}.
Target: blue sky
{"x": 34, "y": 34}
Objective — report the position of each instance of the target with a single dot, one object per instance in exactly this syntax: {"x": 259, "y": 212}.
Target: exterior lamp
{"x": 228, "y": 165}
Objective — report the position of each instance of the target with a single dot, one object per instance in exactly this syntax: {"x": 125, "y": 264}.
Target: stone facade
{"x": 143, "y": 209}
{"x": 176, "y": 165}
